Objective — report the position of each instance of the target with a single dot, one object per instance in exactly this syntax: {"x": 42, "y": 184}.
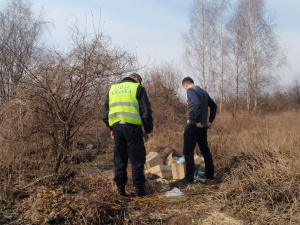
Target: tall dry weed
{"x": 22, "y": 149}
{"x": 257, "y": 161}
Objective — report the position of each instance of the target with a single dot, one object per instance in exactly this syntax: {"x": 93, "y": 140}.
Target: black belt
{"x": 124, "y": 123}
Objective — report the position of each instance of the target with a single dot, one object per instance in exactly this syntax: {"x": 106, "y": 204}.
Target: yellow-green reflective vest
{"x": 123, "y": 105}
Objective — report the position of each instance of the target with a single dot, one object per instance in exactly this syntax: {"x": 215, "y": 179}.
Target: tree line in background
{"x": 233, "y": 48}
{"x": 51, "y": 100}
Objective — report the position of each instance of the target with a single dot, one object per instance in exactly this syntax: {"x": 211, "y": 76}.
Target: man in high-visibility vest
{"x": 127, "y": 110}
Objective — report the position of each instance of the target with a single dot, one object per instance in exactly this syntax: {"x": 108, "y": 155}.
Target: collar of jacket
{"x": 128, "y": 79}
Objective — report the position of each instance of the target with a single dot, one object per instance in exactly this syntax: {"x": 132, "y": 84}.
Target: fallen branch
{"x": 34, "y": 182}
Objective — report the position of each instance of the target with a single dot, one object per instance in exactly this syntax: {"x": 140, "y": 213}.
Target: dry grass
{"x": 257, "y": 169}
{"x": 258, "y": 163}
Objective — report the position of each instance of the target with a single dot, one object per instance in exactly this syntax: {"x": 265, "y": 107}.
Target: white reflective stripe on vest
{"x": 124, "y": 114}
{"x": 124, "y": 104}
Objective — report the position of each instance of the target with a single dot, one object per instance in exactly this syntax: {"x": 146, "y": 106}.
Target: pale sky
{"x": 151, "y": 29}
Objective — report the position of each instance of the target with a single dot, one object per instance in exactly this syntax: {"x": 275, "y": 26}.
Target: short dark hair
{"x": 187, "y": 80}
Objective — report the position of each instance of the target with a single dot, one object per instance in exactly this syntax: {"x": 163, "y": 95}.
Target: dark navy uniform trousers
{"x": 192, "y": 136}
{"x": 129, "y": 143}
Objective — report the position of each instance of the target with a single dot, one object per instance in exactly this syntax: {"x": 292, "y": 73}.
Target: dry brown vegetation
{"x": 258, "y": 159}
{"x": 56, "y": 161}
{"x": 257, "y": 170}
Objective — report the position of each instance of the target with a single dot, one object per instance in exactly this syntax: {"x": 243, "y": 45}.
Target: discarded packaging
{"x": 202, "y": 180}
{"x": 199, "y": 176}
{"x": 178, "y": 170}
{"x": 180, "y": 160}
{"x": 166, "y": 152}
{"x": 198, "y": 160}
{"x": 162, "y": 180}
{"x": 175, "y": 192}
{"x": 200, "y": 173}
{"x": 153, "y": 159}
{"x": 161, "y": 170}
{"x": 172, "y": 157}
{"x": 165, "y": 189}
{"x": 165, "y": 181}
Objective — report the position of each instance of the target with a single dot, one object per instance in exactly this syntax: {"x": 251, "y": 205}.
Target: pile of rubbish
{"x": 168, "y": 169}
{"x": 170, "y": 165}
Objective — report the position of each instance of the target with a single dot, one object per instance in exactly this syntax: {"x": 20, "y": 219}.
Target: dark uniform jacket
{"x": 144, "y": 106}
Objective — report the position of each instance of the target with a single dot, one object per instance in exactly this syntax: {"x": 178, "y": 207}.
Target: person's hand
{"x": 147, "y": 137}
{"x": 210, "y": 125}
{"x": 199, "y": 125}
{"x": 112, "y": 135}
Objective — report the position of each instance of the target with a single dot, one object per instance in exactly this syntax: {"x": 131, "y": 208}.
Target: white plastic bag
{"x": 175, "y": 192}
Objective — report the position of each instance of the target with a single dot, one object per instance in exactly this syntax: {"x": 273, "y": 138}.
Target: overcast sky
{"x": 152, "y": 29}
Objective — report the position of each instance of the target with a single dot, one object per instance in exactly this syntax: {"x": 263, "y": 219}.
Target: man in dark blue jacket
{"x": 196, "y": 129}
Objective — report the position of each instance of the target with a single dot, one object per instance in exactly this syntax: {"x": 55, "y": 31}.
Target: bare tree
{"x": 68, "y": 88}
{"x": 235, "y": 64}
{"x": 222, "y": 8}
{"x": 295, "y": 93}
{"x": 20, "y": 43}
{"x": 204, "y": 44}
{"x": 199, "y": 41}
{"x": 261, "y": 51}
{"x": 64, "y": 90}
{"x": 163, "y": 82}
{"x": 250, "y": 57}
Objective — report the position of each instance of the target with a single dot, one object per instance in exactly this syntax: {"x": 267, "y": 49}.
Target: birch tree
{"x": 222, "y": 7}
{"x": 204, "y": 45}
{"x": 262, "y": 52}
{"x": 199, "y": 41}
{"x": 295, "y": 93}
{"x": 235, "y": 62}
{"x": 250, "y": 58}
{"x": 20, "y": 44}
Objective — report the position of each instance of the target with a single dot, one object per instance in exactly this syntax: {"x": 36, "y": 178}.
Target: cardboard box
{"x": 167, "y": 151}
{"x": 169, "y": 159}
{"x": 153, "y": 159}
{"x": 161, "y": 170}
{"x": 178, "y": 170}
{"x": 198, "y": 160}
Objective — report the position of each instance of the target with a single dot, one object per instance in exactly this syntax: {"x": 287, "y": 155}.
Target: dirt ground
{"x": 85, "y": 194}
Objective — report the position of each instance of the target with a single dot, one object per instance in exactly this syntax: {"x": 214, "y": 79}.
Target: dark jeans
{"x": 193, "y": 135}
{"x": 129, "y": 142}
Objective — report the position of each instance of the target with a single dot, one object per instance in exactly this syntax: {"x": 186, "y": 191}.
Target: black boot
{"x": 140, "y": 191}
{"x": 122, "y": 192}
